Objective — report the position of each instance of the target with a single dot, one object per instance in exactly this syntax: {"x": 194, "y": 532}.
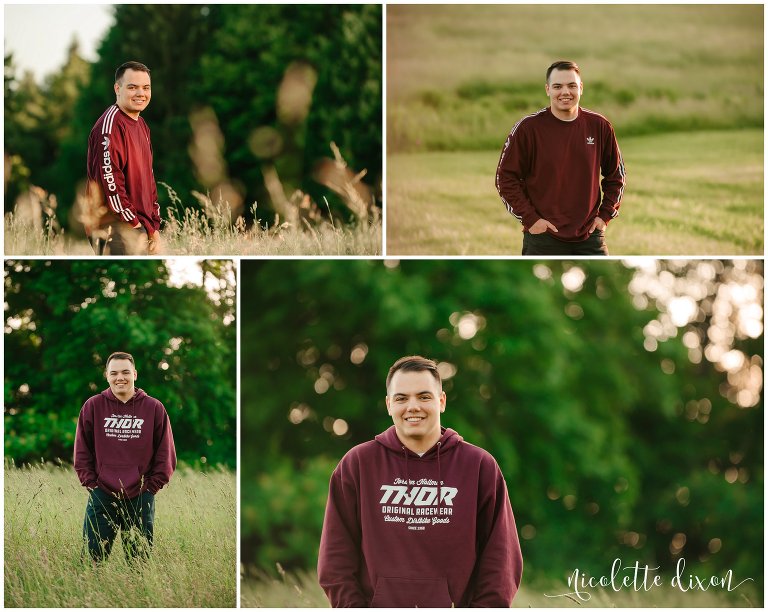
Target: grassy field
{"x": 682, "y": 85}
{"x": 459, "y": 76}
{"x": 698, "y": 193}
{"x": 193, "y": 563}
{"x": 302, "y": 591}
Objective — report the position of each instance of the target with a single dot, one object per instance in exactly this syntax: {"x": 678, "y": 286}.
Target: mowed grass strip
{"x": 688, "y": 193}
{"x": 193, "y": 563}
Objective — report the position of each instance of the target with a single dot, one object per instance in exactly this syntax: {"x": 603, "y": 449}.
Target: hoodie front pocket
{"x": 120, "y": 478}
{"x": 411, "y": 593}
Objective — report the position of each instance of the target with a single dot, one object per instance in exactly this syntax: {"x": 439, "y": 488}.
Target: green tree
{"x": 23, "y": 117}
{"x": 37, "y": 120}
{"x": 246, "y": 63}
{"x": 62, "y": 320}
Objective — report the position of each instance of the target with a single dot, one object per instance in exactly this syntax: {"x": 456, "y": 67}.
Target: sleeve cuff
{"x": 606, "y": 216}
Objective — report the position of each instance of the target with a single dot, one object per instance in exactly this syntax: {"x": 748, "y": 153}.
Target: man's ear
{"x": 386, "y": 399}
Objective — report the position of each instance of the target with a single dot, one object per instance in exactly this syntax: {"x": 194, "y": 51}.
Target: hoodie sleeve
{"x": 614, "y": 177}
{"x": 107, "y": 155}
{"x": 85, "y": 457}
{"x": 164, "y": 458}
{"x": 338, "y": 563}
{"x": 500, "y": 563}
{"x": 155, "y": 203}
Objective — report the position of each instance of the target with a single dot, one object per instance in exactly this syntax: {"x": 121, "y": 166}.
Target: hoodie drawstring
{"x": 439, "y": 477}
{"x": 439, "y": 471}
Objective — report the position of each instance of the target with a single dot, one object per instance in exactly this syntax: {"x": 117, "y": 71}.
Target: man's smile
{"x": 415, "y": 419}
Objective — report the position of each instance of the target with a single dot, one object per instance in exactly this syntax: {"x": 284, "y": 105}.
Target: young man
{"x": 418, "y": 517}
{"x": 124, "y": 454}
{"x": 549, "y": 172}
{"x": 123, "y": 216}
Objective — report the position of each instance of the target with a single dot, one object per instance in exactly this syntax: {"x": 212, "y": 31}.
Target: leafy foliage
{"x": 38, "y": 120}
{"x": 64, "y": 318}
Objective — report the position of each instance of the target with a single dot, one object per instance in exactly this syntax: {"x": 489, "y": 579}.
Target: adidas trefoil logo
{"x": 590, "y": 140}
{"x": 105, "y": 144}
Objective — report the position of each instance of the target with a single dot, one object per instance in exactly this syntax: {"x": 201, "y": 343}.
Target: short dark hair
{"x": 129, "y": 66}
{"x": 414, "y": 363}
{"x": 120, "y": 355}
{"x": 563, "y": 65}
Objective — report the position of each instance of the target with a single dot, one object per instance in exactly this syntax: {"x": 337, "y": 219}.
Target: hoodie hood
{"x": 448, "y": 440}
{"x": 138, "y": 395}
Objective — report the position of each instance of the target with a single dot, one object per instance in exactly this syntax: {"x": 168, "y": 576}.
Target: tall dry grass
{"x": 215, "y": 225}
{"x": 209, "y": 231}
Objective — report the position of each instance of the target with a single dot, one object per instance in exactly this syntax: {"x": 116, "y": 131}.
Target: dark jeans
{"x": 546, "y": 244}
{"x": 105, "y": 514}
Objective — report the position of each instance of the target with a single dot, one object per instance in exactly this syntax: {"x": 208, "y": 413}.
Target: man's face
{"x": 415, "y": 401}
{"x": 564, "y": 90}
{"x": 120, "y": 375}
{"x": 133, "y": 91}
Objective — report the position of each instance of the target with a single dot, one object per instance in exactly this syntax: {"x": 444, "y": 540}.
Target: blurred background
{"x": 681, "y": 84}
{"x": 623, "y": 402}
{"x": 248, "y": 101}
{"x": 64, "y": 318}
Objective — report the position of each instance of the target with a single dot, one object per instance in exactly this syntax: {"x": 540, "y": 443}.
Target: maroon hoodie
{"x": 407, "y": 531}
{"x": 124, "y": 446}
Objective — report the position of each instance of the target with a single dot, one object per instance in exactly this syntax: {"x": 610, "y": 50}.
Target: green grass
{"x": 193, "y": 563}
{"x": 698, "y": 193}
{"x": 459, "y": 77}
{"x": 302, "y": 591}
